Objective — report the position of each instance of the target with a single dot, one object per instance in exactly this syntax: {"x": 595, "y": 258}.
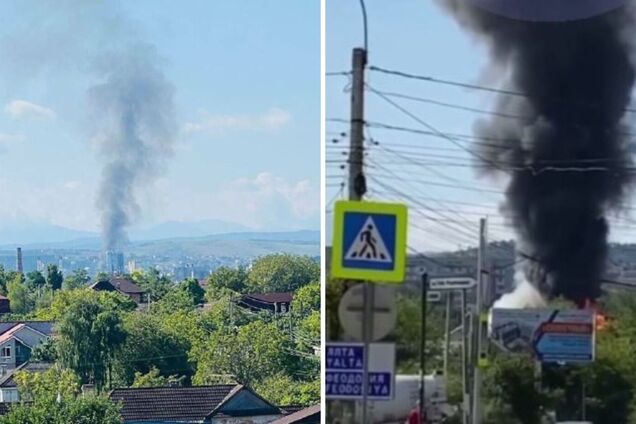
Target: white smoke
{"x": 525, "y": 295}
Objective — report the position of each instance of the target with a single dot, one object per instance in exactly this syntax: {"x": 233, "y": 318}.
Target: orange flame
{"x": 602, "y": 322}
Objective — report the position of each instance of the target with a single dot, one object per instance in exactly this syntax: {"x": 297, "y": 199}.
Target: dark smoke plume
{"x": 567, "y": 153}
{"x": 133, "y": 115}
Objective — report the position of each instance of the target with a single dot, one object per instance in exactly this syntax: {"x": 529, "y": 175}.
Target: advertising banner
{"x": 565, "y": 336}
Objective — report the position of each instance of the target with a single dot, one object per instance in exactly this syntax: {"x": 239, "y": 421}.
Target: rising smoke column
{"x": 577, "y": 78}
{"x": 134, "y": 128}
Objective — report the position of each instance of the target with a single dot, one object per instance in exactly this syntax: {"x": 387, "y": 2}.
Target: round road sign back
{"x": 351, "y": 309}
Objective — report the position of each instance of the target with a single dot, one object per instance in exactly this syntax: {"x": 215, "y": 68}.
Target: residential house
{"x": 279, "y": 303}
{"x": 17, "y": 339}
{"x": 121, "y": 285}
{"x": 220, "y": 404}
{"x": 9, "y": 388}
{"x": 310, "y": 415}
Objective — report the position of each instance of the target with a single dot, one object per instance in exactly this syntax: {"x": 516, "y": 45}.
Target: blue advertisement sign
{"x": 551, "y": 335}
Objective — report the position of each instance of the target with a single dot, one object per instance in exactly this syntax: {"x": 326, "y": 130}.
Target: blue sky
{"x": 247, "y": 97}
{"x": 418, "y": 37}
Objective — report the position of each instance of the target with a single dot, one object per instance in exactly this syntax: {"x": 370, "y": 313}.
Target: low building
{"x": 226, "y": 403}
{"x": 8, "y": 386}
{"x": 17, "y": 340}
{"x": 121, "y": 285}
{"x": 279, "y": 303}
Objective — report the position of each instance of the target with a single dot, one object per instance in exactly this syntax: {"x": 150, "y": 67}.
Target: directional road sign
{"x": 452, "y": 283}
{"x": 369, "y": 241}
{"x": 344, "y": 370}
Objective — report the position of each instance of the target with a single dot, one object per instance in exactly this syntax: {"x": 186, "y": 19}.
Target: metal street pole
{"x": 465, "y": 397}
{"x": 447, "y": 329}
{"x": 423, "y": 350}
{"x": 477, "y": 325}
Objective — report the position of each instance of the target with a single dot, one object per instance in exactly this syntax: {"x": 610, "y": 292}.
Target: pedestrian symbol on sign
{"x": 368, "y": 245}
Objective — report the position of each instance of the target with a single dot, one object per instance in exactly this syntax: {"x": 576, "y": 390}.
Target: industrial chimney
{"x": 19, "y": 267}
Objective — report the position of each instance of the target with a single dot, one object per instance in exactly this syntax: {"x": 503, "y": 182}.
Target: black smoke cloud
{"x": 577, "y": 78}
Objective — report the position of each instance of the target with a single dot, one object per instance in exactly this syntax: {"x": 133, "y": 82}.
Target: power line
{"x": 478, "y": 87}
{"x": 430, "y": 127}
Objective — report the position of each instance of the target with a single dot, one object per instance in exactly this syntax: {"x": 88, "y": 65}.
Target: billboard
{"x": 551, "y": 335}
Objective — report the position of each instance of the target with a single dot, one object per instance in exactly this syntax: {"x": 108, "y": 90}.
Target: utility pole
{"x": 357, "y": 189}
{"x": 478, "y": 336}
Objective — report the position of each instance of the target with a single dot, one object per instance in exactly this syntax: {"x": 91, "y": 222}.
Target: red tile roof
{"x": 272, "y": 297}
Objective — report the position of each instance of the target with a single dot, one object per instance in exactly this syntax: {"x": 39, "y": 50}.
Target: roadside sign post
{"x": 369, "y": 244}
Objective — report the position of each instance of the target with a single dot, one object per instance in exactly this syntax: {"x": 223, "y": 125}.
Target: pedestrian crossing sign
{"x": 369, "y": 241}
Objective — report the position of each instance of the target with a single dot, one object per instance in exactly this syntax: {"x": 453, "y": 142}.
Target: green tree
{"x": 192, "y": 288}
{"x": 149, "y": 345}
{"x": 53, "y": 399}
{"x": 77, "y": 280}
{"x": 47, "y": 385}
{"x": 64, "y": 299}
{"x": 45, "y": 351}
{"x": 18, "y": 294}
{"x": 35, "y": 280}
{"x": 88, "y": 337}
{"x": 153, "y": 378}
{"x": 306, "y": 299}
{"x": 5, "y": 277}
{"x": 282, "y": 273}
{"x": 175, "y": 300}
{"x": 78, "y": 410}
{"x": 154, "y": 284}
{"x": 255, "y": 352}
{"x": 408, "y": 331}
{"x": 54, "y": 277}
{"x": 280, "y": 389}
{"x": 510, "y": 386}
{"x": 226, "y": 278}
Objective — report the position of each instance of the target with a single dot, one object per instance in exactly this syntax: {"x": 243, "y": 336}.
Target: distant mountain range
{"x": 53, "y": 236}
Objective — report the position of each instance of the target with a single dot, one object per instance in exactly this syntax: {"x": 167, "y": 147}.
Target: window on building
{"x": 5, "y": 352}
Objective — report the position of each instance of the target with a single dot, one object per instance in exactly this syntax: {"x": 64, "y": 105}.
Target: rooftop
{"x": 157, "y": 403}
{"x": 189, "y": 404}
{"x": 272, "y": 297}
{"x": 308, "y": 415}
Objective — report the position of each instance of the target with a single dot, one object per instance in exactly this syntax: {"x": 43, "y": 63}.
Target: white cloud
{"x": 272, "y": 120}
{"x": 19, "y": 109}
